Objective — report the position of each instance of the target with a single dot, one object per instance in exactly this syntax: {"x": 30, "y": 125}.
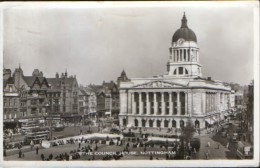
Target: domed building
{"x": 180, "y": 95}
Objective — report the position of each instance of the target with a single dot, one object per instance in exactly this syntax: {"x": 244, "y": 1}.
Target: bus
{"x": 36, "y": 137}
{"x": 28, "y": 126}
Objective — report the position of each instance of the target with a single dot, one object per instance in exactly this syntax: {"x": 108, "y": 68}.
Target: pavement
{"x": 213, "y": 150}
{"x": 216, "y": 150}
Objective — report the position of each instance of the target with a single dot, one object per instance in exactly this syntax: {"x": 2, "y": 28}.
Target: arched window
{"x": 173, "y": 123}
{"x": 150, "y": 123}
{"x": 181, "y": 123}
{"x": 166, "y": 123}
{"x": 158, "y": 123}
{"x": 136, "y": 122}
{"x": 197, "y": 124}
{"x": 143, "y": 123}
{"x": 124, "y": 122}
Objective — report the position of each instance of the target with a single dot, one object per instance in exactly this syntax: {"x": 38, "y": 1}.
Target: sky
{"x": 96, "y": 44}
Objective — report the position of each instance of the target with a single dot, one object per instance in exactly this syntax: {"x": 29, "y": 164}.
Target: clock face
{"x": 180, "y": 41}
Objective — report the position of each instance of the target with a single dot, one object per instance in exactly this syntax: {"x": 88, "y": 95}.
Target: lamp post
{"x": 49, "y": 109}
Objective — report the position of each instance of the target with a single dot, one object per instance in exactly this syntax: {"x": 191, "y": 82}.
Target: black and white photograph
{"x": 109, "y": 83}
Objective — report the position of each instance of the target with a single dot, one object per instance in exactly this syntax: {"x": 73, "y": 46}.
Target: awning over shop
{"x": 209, "y": 121}
{"x": 107, "y": 113}
{"x": 92, "y": 113}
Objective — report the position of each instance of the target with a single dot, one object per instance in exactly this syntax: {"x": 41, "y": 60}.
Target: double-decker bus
{"x": 29, "y": 126}
{"x": 36, "y": 136}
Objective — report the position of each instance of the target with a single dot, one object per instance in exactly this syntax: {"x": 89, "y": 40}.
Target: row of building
{"x": 38, "y": 96}
{"x": 180, "y": 95}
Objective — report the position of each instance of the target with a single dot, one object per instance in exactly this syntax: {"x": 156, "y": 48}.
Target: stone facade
{"x": 169, "y": 101}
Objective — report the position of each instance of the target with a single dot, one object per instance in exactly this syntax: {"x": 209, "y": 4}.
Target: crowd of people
{"x": 179, "y": 150}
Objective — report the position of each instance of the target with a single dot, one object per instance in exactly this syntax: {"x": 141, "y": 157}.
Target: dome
{"x": 184, "y": 32}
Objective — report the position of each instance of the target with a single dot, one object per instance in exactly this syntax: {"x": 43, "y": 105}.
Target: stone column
{"x": 148, "y": 106}
{"x": 133, "y": 103}
{"x": 198, "y": 57}
{"x": 155, "y": 104}
{"x": 163, "y": 103}
{"x": 181, "y": 55}
{"x": 186, "y": 103}
{"x": 186, "y": 53}
{"x": 170, "y": 104}
{"x": 129, "y": 103}
{"x": 140, "y": 103}
{"x": 177, "y": 56}
{"x": 178, "y": 104}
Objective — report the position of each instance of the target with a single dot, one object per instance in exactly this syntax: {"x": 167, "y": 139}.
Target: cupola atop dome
{"x": 184, "y": 32}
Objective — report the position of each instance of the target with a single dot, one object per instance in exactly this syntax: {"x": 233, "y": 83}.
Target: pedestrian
{"x": 208, "y": 144}
{"x": 42, "y": 156}
{"x": 50, "y": 157}
{"x": 20, "y": 153}
{"x": 208, "y": 152}
{"x": 79, "y": 144}
{"x": 227, "y": 145}
{"x": 151, "y": 157}
{"x": 32, "y": 144}
{"x": 206, "y": 155}
{"x": 4, "y": 152}
{"x": 37, "y": 149}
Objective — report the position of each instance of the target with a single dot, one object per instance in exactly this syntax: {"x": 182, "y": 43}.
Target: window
{"x": 180, "y": 70}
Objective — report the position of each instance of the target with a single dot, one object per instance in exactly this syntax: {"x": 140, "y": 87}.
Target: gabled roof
{"x": 29, "y": 80}
{"x": 82, "y": 92}
{"x": 57, "y": 81}
{"x": 10, "y": 80}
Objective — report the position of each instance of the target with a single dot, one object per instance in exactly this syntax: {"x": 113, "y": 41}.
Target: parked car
{"x": 195, "y": 143}
{"x": 115, "y": 131}
{"x": 244, "y": 151}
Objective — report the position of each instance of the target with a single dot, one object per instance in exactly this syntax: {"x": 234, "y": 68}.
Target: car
{"x": 115, "y": 131}
{"x": 223, "y": 133}
{"x": 195, "y": 143}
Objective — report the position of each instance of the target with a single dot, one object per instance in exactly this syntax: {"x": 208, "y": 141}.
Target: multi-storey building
{"x": 38, "y": 96}
{"x": 182, "y": 95}
{"x": 239, "y": 98}
{"x": 83, "y": 102}
{"x": 11, "y": 100}
{"x": 107, "y": 99}
{"x": 67, "y": 87}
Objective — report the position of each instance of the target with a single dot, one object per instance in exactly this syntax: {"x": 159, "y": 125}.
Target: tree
{"x": 188, "y": 131}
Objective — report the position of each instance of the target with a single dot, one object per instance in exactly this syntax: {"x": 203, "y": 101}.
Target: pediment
{"x": 159, "y": 84}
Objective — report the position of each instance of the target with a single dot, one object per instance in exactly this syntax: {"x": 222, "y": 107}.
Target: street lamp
{"x": 49, "y": 108}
